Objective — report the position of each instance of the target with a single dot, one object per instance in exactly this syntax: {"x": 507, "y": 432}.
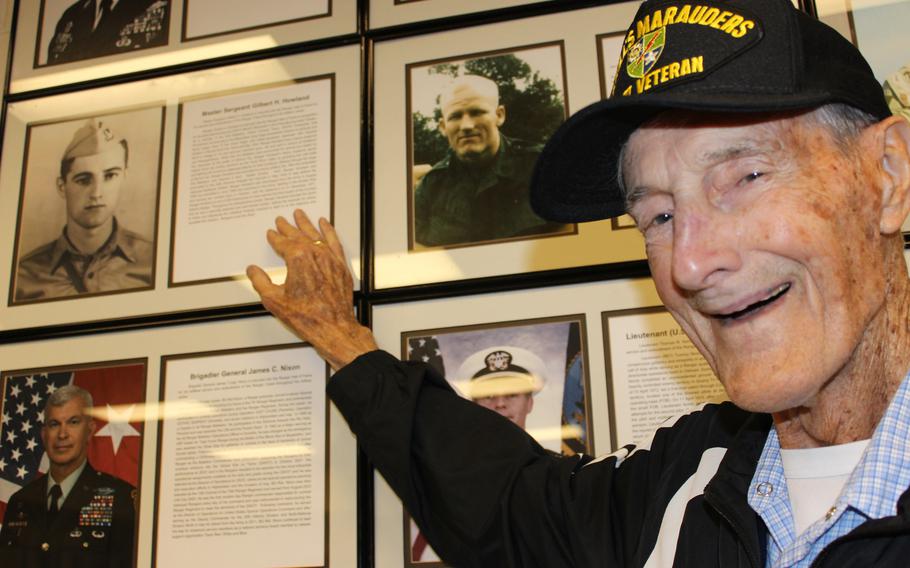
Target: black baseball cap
{"x": 737, "y": 56}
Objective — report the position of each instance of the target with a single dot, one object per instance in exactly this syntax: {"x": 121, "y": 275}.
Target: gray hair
{"x": 843, "y": 122}
{"x": 67, "y": 393}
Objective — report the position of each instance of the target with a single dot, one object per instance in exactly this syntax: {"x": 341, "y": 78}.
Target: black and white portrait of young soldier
{"x": 86, "y": 29}
{"x": 478, "y": 126}
{"x": 88, "y": 214}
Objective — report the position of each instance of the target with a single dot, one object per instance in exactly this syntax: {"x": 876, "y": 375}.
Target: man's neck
{"x": 851, "y": 404}
{"x": 88, "y": 241}
{"x": 60, "y": 472}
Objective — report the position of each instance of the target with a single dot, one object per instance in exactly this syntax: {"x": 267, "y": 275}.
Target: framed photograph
{"x": 384, "y": 13}
{"x": 58, "y": 42}
{"x": 103, "y": 507}
{"x": 653, "y": 372}
{"x": 70, "y": 31}
{"x": 477, "y": 125}
{"x": 233, "y": 147}
{"x": 879, "y": 30}
{"x": 88, "y": 206}
{"x": 226, "y": 440}
{"x": 428, "y": 234}
{"x": 255, "y": 442}
{"x": 465, "y": 336}
{"x": 207, "y": 18}
{"x": 532, "y": 372}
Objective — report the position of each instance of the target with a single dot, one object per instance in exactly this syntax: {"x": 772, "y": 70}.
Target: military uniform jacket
{"x": 130, "y": 25}
{"x": 95, "y": 527}
{"x": 57, "y": 269}
{"x": 455, "y": 204}
{"x": 485, "y": 494}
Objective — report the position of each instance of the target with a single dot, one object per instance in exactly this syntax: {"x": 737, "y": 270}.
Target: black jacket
{"x": 486, "y": 494}
{"x": 95, "y": 527}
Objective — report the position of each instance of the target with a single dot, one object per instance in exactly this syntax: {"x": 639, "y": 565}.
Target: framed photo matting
{"x": 252, "y": 396}
{"x": 385, "y": 13}
{"x": 152, "y": 197}
{"x": 452, "y": 164}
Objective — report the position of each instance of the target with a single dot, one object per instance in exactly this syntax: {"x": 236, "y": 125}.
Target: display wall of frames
{"x": 216, "y": 119}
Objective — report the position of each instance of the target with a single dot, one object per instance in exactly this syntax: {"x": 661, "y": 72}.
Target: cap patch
{"x": 690, "y": 40}
{"x": 644, "y": 54}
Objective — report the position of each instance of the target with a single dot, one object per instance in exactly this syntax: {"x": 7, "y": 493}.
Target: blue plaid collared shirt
{"x": 871, "y": 492}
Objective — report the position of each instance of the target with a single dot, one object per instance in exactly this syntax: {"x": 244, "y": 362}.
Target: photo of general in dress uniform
{"x": 85, "y": 29}
{"x": 70, "y": 467}
{"x": 477, "y": 128}
{"x": 532, "y": 373}
{"x": 89, "y": 207}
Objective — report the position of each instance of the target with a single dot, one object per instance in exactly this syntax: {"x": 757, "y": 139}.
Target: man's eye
{"x": 751, "y": 176}
{"x": 662, "y": 218}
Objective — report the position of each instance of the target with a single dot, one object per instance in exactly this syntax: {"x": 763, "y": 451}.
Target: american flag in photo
{"x": 116, "y": 445}
{"x": 426, "y": 349}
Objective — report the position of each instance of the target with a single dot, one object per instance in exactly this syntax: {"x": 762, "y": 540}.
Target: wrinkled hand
{"x": 316, "y": 297}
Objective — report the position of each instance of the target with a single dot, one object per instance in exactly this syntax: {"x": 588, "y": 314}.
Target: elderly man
{"x": 479, "y": 191}
{"x": 754, "y": 148}
{"x": 94, "y": 253}
{"x": 75, "y": 515}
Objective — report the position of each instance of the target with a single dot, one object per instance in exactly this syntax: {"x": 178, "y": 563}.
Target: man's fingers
{"x": 261, "y": 281}
{"x": 331, "y": 238}
{"x": 305, "y": 225}
{"x": 278, "y": 241}
{"x": 286, "y": 228}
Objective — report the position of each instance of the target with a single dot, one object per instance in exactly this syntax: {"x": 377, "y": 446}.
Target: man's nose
{"x": 705, "y": 245}
{"x": 95, "y": 189}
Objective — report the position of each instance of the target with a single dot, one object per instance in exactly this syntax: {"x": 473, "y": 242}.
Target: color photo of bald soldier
{"x": 474, "y": 158}
{"x": 95, "y": 251}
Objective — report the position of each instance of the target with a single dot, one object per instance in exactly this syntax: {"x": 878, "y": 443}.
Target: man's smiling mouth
{"x": 775, "y": 295}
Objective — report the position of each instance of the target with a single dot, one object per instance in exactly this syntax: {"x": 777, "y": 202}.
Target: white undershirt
{"x": 816, "y": 477}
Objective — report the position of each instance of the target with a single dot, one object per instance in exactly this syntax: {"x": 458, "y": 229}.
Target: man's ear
{"x": 60, "y": 187}
{"x": 894, "y": 173}
{"x": 442, "y": 126}
{"x": 500, "y": 115}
